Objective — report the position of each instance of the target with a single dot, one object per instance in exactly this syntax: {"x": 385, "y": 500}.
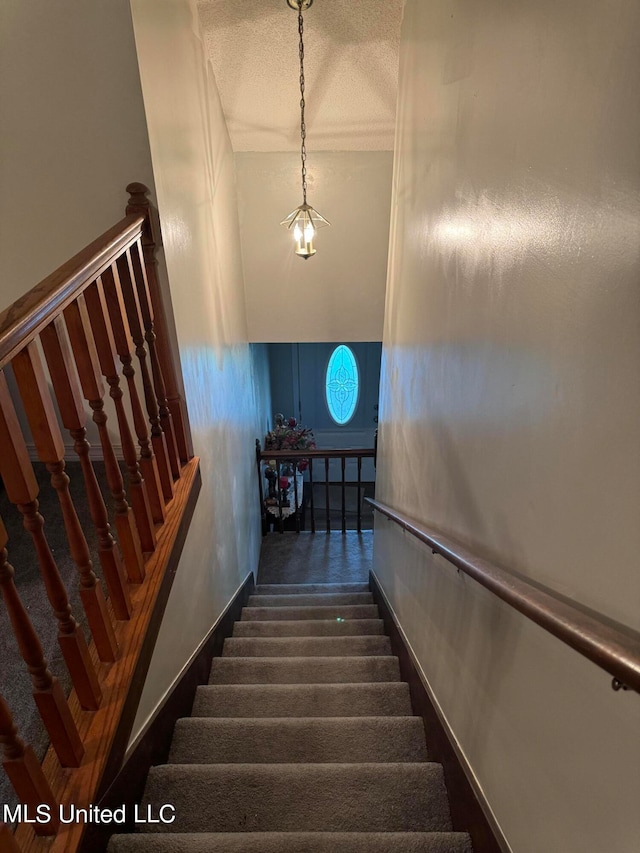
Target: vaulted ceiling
{"x": 351, "y": 70}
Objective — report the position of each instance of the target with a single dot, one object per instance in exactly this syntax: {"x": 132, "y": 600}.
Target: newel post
{"x": 164, "y": 325}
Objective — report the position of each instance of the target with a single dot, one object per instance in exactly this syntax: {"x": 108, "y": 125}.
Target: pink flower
{"x": 292, "y": 422}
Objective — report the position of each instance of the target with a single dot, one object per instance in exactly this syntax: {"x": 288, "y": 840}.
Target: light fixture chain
{"x": 303, "y": 129}
{"x": 304, "y": 220}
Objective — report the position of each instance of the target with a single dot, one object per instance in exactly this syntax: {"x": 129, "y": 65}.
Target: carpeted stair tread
{"x": 390, "y": 797}
{"x": 294, "y": 740}
{"x": 309, "y": 588}
{"x": 339, "y": 599}
{"x": 262, "y": 614}
{"x": 303, "y": 700}
{"x": 301, "y": 670}
{"x": 310, "y": 628}
{"x": 272, "y": 647}
{"x": 294, "y": 842}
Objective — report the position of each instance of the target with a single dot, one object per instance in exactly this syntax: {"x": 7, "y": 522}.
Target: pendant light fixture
{"x": 304, "y": 221}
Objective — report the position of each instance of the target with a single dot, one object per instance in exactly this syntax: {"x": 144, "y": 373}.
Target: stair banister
{"x": 610, "y": 645}
{"x": 22, "y": 321}
{"x": 162, "y": 318}
{"x": 62, "y": 341}
{"x": 321, "y": 454}
{"x": 27, "y": 316}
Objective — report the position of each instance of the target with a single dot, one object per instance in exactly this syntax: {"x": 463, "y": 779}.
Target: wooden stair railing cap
{"x": 28, "y": 315}
{"x": 317, "y": 453}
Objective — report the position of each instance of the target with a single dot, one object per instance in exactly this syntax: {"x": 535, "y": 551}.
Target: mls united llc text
{"x": 44, "y": 813}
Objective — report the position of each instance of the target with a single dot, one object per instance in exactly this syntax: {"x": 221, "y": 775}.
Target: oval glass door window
{"x": 342, "y": 384}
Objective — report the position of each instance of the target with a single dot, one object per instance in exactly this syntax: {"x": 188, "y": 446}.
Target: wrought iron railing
{"x": 288, "y": 491}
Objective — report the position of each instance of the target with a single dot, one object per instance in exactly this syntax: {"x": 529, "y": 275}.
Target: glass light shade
{"x": 303, "y": 222}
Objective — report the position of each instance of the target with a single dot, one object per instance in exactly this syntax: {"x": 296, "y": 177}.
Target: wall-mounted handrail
{"x": 610, "y": 645}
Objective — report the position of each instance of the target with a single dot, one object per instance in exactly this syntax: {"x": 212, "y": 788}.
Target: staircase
{"x": 302, "y": 742}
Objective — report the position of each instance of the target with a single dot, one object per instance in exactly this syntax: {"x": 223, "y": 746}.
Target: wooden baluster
{"x": 139, "y": 204}
{"x": 295, "y": 495}
{"x": 8, "y": 843}
{"x": 313, "y": 511}
{"x": 359, "y": 494}
{"x": 263, "y": 511}
{"x": 105, "y": 345}
{"x": 344, "y": 501}
{"x": 86, "y": 359}
{"x": 22, "y": 490}
{"x": 146, "y": 308}
{"x": 326, "y": 492}
{"x": 73, "y": 415}
{"x": 280, "y": 517}
{"x": 122, "y": 337}
{"x": 34, "y": 390}
{"x": 47, "y": 693}
{"x": 158, "y": 438}
{"x": 25, "y": 774}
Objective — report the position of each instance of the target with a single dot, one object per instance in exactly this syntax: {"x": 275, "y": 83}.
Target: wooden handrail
{"x": 319, "y": 453}
{"x": 29, "y": 314}
{"x": 610, "y": 645}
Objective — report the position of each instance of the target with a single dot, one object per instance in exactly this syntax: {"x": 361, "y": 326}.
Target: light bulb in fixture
{"x": 303, "y": 222}
{"x": 304, "y": 249}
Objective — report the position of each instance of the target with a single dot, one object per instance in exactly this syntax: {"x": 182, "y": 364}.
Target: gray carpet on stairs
{"x": 300, "y": 797}
{"x": 310, "y": 628}
{"x": 356, "y": 611}
{"x": 298, "y": 739}
{"x": 303, "y": 670}
{"x": 319, "y": 599}
{"x": 271, "y": 647}
{"x": 303, "y": 740}
{"x": 297, "y": 842}
{"x": 294, "y": 588}
{"x": 303, "y": 700}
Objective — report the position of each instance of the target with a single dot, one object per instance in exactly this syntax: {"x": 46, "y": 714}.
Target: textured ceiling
{"x": 351, "y": 71}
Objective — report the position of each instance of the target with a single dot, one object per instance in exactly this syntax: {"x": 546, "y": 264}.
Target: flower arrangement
{"x": 288, "y": 435}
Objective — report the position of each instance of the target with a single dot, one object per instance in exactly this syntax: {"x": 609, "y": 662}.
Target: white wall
{"x": 73, "y": 131}
{"x": 72, "y": 137}
{"x": 338, "y": 294}
{"x": 195, "y": 179}
{"x": 510, "y": 406}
